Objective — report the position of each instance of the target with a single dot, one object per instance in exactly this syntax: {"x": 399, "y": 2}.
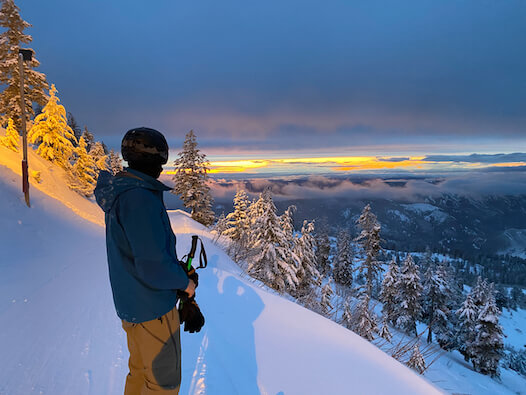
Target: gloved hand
{"x": 191, "y": 315}
{"x": 192, "y": 275}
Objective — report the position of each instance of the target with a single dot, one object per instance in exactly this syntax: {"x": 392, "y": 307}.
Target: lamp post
{"x": 24, "y": 55}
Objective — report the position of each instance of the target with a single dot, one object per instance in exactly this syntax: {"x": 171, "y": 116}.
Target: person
{"x": 145, "y": 274}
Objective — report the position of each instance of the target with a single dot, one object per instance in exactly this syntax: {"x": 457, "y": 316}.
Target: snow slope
{"x": 60, "y": 334}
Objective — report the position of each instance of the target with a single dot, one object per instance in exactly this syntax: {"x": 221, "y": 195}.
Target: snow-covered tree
{"x": 369, "y": 240}
{"x": 115, "y": 162}
{"x": 347, "y": 318}
{"x": 89, "y": 138}
{"x": 385, "y": 332}
{"x": 409, "y": 309}
{"x": 72, "y": 122}
{"x": 11, "y": 139}
{"x": 343, "y": 271}
{"x": 365, "y": 323}
{"x": 191, "y": 176}
{"x": 272, "y": 263}
{"x": 389, "y": 292}
{"x": 84, "y": 172}
{"x": 467, "y": 314}
{"x": 307, "y": 274}
{"x": 417, "y": 361}
{"x": 323, "y": 249}
{"x": 435, "y": 299}
{"x": 51, "y": 132}
{"x": 237, "y": 224}
{"x": 35, "y": 85}
{"x": 220, "y": 226}
{"x": 487, "y": 347}
{"x": 326, "y": 298}
{"x": 99, "y": 156}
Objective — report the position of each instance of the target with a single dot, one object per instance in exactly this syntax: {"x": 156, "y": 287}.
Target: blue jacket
{"x": 144, "y": 270}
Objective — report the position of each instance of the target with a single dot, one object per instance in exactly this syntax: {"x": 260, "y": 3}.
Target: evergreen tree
{"x": 323, "y": 249}
{"x": 487, "y": 347}
{"x": 52, "y": 133}
{"x": 410, "y": 290}
{"x": 467, "y": 314}
{"x": 89, "y": 138}
{"x": 191, "y": 176}
{"x": 221, "y": 225}
{"x": 435, "y": 299}
{"x": 416, "y": 361}
{"x": 385, "y": 332}
{"x": 369, "y": 239}
{"x": 347, "y": 318}
{"x": 84, "y": 171}
{"x": 115, "y": 162}
{"x": 272, "y": 263}
{"x": 326, "y": 296}
{"x": 342, "y": 272}
{"x": 72, "y": 122}
{"x": 99, "y": 156}
{"x": 35, "y": 85}
{"x": 237, "y": 224}
{"x": 11, "y": 139}
{"x": 308, "y": 276}
{"x": 364, "y": 319}
{"x": 389, "y": 292}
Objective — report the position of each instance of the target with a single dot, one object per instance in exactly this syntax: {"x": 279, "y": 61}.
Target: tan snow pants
{"x": 155, "y": 356}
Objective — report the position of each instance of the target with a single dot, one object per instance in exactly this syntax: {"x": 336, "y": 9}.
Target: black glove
{"x": 192, "y": 275}
{"x": 191, "y": 315}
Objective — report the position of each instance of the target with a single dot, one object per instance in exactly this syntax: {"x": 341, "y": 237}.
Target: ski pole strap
{"x": 203, "y": 261}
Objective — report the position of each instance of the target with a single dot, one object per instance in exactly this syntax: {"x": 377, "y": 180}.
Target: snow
{"x": 60, "y": 334}
{"x": 403, "y": 217}
{"x": 514, "y": 325}
{"x": 429, "y": 211}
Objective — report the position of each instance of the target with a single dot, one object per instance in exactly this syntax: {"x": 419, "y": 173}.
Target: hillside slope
{"x": 60, "y": 334}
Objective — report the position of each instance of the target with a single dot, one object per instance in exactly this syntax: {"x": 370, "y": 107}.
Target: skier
{"x": 145, "y": 274}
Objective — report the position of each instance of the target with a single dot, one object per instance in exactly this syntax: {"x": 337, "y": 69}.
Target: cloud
{"x": 516, "y": 157}
{"x": 397, "y": 159}
{"x": 473, "y": 184}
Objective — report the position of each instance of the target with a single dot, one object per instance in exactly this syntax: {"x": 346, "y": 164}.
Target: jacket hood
{"x": 109, "y": 187}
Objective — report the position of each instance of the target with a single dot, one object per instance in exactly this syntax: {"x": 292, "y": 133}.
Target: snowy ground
{"x": 60, "y": 334}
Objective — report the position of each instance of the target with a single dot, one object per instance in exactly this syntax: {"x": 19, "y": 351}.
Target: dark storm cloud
{"x": 309, "y": 73}
{"x": 397, "y": 159}
{"x": 479, "y": 158}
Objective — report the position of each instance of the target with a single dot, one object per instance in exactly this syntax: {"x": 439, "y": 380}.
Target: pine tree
{"x": 364, "y": 319}
{"x": 416, "y": 361}
{"x": 237, "y": 224}
{"x": 191, "y": 176}
{"x": 385, "y": 332}
{"x": 115, "y": 162}
{"x": 389, "y": 292}
{"x": 347, "y": 318}
{"x": 11, "y": 139}
{"x": 342, "y": 272}
{"x": 487, "y": 347}
{"x": 72, "y": 122}
{"x": 89, "y": 138}
{"x": 323, "y": 249}
{"x": 308, "y": 276}
{"x": 84, "y": 171}
{"x": 369, "y": 239}
{"x": 410, "y": 290}
{"x": 99, "y": 156}
{"x": 220, "y": 226}
{"x": 435, "y": 299}
{"x": 52, "y": 133}
{"x": 35, "y": 85}
{"x": 272, "y": 263}
{"x": 326, "y": 298}
{"x": 467, "y": 314}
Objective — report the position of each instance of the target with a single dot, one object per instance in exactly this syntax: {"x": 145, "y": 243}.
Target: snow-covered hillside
{"x": 60, "y": 334}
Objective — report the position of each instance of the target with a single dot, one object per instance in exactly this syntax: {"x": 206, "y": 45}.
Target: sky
{"x": 297, "y": 87}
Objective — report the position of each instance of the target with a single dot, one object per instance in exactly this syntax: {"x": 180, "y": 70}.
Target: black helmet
{"x": 144, "y": 145}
